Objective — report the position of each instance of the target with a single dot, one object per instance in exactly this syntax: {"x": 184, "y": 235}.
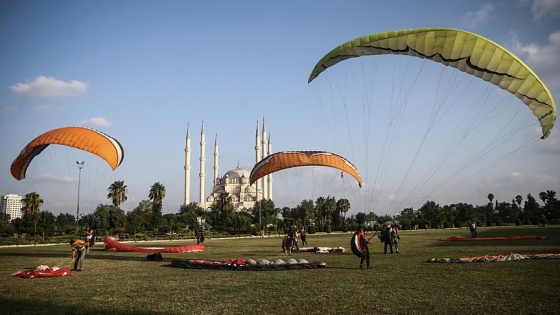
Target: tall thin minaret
{"x": 264, "y": 148}
{"x": 269, "y": 176}
{"x": 258, "y": 158}
{"x": 187, "y": 167}
{"x": 216, "y": 167}
{"x": 202, "y": 166}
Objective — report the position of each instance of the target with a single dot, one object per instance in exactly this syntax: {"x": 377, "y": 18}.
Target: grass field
{"x": 126, "y": 283}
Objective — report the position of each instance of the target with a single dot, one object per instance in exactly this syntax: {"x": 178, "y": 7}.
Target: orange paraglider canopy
{"x": 90, "y": 140}
{"x": 288, "y": 159}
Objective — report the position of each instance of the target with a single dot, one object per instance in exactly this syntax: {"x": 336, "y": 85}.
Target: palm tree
{"x": 157, "y": 193}
{"x": 32, "y": 206}
{"x": 543, "y": 196}
{"x": 117, "y": 193}
{"x": 223, "y": 209}
{"x": 305, "y": 211}
{"x": 343, "y": 205}
{"x": 518, "y": 199}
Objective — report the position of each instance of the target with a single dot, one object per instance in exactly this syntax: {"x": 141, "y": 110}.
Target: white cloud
{"x": 48, "y": 87}
{"x": 515, "y": 183}
{"x": 10, "y": 109}
{"x": 551, "y": 145}
{"x": 542, "y": 8}
{"x": 50, "y": 178}
{"x": 543, "y": 59}
{"x": 96, "y": 121}
{"x": 44, "y": 107}
{"x": 475, "y": 18}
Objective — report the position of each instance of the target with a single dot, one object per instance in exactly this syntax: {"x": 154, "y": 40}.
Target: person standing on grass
{"x": 90, "y": 239}
{"x": 295, "y": 237}
{"x": 199, "y": 237}
{"x": 387, "y": 238}
{"x": 395, "y": 238}
{"x": 472, "y": 227}
{"x": 79, "y": 248}
{"x": 303, "y": 236}
{"x": 363, "y": 248}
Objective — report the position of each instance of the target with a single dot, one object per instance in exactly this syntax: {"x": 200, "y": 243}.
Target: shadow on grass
{"x": 502, "y": 243}
{"x": 27, "y": 306}
{"x": 89, "y": 256}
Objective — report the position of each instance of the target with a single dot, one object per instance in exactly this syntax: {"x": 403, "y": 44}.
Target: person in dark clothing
{"x": 472, "y": 227}
{"x": 362, "y": 243}
{"x": 387, "y": 238}
{"x": 199, "y": 237}
{"x": 303, "y": 236}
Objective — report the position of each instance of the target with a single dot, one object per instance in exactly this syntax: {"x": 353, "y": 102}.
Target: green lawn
{"x": 126, "y": 283}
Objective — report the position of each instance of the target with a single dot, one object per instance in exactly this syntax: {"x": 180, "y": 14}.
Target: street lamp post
{"x": 80, "y": 166}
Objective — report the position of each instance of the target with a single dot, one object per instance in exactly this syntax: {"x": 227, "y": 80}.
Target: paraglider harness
{"x": 360, "y": 249}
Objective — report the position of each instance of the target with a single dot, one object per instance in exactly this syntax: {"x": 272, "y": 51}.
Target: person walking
{"x": 295, "y": 237}
{"x": 79, "y": 248}
{"x": 90, "y": 239}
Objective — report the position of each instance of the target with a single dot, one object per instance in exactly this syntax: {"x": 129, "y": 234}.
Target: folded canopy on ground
{"x": 242, "y": 264}
{"x": 43, "y": 271}
{"x": 112, "y": 244}
{"x": 497, "y": 238}
{"x": 491, "y": 258}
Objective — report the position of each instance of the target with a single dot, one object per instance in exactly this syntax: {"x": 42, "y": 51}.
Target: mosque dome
{"x": 238, "y": 173}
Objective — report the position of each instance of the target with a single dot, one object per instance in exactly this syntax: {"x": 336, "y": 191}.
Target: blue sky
{"x": 141, "y": 71}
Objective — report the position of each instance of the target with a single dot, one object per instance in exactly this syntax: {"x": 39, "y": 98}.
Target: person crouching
{"x": 79, "y": 248}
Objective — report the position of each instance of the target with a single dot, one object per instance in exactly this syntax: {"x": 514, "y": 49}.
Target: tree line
{"x": 324, "y": 214}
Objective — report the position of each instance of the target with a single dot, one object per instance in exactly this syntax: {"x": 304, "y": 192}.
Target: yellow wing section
{"x": 288, "y": 159}
{"x": 468, "y": 52}
{"x": 90, "y": 140}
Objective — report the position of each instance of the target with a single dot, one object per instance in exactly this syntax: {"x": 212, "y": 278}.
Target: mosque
{"x": 235, "y": 181}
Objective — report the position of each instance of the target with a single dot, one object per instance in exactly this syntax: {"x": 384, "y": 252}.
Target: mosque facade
{"x": 235, "y": 182}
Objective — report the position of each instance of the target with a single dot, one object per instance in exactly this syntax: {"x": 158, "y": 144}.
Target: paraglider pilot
{"x": 78, "y": 253}
{"x": 363, "y": 242}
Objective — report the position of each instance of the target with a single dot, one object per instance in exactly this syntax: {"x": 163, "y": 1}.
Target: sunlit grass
{"x": 126, "y": 283}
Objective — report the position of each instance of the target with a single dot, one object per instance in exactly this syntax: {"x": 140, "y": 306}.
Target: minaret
{"x": 257, "y": 159}
{"x": 264, "y": 148}
{"x": 187, "y": 168}
{"x": 269, "y": 176}
{"x": 202, "y": 166}
{"x": 216, "y": 167}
